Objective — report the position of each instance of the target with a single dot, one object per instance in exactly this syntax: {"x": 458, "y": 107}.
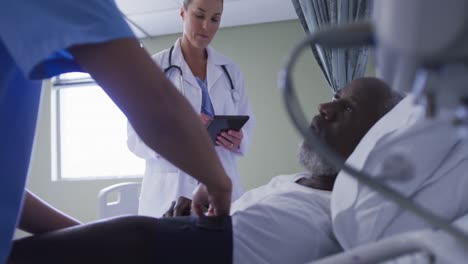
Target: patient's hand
{"x": 181, "y": 207}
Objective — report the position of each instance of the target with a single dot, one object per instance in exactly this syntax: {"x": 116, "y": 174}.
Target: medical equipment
{"x": 425, "y": 50}
{"x": 422, "y": 47}
{"x": 234, "y": 93}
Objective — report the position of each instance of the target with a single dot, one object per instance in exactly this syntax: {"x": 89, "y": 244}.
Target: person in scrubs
{"x": 214, "y": 85}
{"x": 40, "y": 39}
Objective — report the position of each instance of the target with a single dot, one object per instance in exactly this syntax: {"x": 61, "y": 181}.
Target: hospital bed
{"x": 426, "y": 246}
{"x": 119, "y": 199}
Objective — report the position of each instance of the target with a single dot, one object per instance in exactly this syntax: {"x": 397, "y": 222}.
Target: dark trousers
{"x": 132, "y": 239}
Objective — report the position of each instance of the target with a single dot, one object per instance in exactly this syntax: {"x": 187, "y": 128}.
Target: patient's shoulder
{"x": 289, "y": 177}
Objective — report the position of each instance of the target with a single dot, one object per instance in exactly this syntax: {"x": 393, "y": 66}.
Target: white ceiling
{"x": 161, "y": 17}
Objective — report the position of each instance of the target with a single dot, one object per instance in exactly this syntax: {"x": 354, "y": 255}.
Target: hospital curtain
{"x": 339, "y": 66}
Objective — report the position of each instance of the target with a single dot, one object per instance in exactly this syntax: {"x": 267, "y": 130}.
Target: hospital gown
{"x": 282, "y": 222}
{"x": 33, "y": 36}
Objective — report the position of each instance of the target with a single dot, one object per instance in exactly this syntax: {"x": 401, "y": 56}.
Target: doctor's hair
{"x": 188, "y": 2}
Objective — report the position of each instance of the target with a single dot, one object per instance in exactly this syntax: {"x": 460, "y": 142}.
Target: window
{"x": 89, "y": 132}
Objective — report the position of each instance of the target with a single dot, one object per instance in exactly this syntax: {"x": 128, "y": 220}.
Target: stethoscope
{"x": 234, "y": 93}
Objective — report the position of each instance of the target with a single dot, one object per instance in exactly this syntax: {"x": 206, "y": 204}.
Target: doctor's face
{"x": 343, "y": 122}
{"x": 201, "y": 21}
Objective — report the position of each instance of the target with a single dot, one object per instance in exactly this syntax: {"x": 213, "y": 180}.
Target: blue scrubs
{"x": 34, "y": 36}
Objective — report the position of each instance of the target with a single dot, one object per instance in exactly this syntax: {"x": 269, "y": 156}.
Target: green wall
{"x": 260, "y": 50}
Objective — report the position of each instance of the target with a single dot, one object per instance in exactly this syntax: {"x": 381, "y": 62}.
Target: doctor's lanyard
{"x": 234, "y": 93}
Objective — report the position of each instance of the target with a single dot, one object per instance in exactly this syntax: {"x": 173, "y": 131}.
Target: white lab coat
{"x": 163, "y": 182}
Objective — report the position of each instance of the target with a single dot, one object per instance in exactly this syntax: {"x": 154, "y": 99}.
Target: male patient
{"x": 285, "y": 221}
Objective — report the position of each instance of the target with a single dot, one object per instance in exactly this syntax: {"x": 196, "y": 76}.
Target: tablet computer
{"x": 223, "y": 123}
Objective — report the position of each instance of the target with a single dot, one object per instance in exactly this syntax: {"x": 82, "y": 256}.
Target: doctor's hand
{"x": 205, "y": 119}
{"x": 218, "y": 202}
{"x": 181, "y": 207}
{"x": 230, "y": 140}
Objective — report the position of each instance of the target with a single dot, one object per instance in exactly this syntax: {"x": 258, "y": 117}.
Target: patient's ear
{"x": 182, "y": 13}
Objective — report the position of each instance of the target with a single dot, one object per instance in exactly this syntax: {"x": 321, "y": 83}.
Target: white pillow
{"x": 346, "y": 188}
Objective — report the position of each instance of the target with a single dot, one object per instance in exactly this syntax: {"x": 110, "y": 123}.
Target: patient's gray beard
{"x": 312, "y": 162}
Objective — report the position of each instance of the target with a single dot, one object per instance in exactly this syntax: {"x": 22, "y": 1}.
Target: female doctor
{"x": 213, "y": 85}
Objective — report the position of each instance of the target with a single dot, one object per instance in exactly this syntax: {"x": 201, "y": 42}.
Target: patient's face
{"x": 343, "y": 122}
